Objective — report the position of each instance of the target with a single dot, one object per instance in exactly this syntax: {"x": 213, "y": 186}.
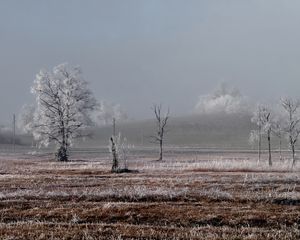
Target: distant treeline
{"x": 6, "y": 137}
{"x": 203, "y": 130}
{"x": 219, "y": 130}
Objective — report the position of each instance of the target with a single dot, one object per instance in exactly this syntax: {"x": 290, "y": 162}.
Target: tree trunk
{"x": 293, "y": 153}
{"x": 269, "y": 142}
{"x": 280, "y": 148}
{"x": 160, "y": 150}
{"x": 62, "y": 154}
{"x": 115, "y": 165}
{"x": 259, "y": 144}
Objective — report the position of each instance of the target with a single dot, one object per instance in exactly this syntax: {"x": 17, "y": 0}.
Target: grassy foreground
{"x": 188, "y": 196}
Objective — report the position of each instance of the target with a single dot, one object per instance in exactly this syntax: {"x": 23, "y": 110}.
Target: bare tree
{"x": 120, "y": 149}
{"x": 113, "y": 149}
{"x": 263, "y": 119}
{"x": 161, "y": 124}
{"x": 292, "y": 125}
{"x": 63, "y": 108}
{"x": 257, "y": 133}
{"x": 279, "y": 133}
{"x": 267, "y": 129}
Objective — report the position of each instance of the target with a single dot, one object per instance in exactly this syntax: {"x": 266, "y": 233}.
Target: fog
{"x": 136, "y": 53}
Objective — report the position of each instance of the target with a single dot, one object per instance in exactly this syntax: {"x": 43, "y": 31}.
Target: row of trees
{"x": 65, "y": 106}
{"x": 280, "y": 123}
{"x": 65, "y": 110}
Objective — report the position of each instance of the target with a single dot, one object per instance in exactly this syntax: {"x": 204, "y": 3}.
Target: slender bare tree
{"x": 267, "y": 123}
{"x": 292, "y": 128}
{"x": 263, "y": 119}
{"x": 279, "y": 133}
{"x": 256, "y": 134}
{"x": 161, "y": 124}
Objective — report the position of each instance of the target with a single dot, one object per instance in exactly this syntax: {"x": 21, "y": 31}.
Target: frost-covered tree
{"x": 278, "y": 131}
{"x": 25, "y": 118}
{"x": 161, "y": 124}
{"x": 262, "y": 117}
{"x": 224, "y": 100}
{"x": 120, "y": 148}
{"x": 267, "y": 128}
{"x": 105, "y": 112}
{"x": 255, "y": 135}
{"x": 64, "y": 103}
{"x": 292, "y": 127}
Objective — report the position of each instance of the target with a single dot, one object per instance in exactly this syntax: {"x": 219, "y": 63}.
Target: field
{"x": 191, "y": 195}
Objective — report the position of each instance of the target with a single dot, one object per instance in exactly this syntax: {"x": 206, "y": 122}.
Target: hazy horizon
{"x": 137, "y": 53}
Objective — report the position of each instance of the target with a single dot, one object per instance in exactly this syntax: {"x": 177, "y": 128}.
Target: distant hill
{"x": 6, "y": 136}
{"x": 207, "y": 131}
{"x": 220, "y": 131}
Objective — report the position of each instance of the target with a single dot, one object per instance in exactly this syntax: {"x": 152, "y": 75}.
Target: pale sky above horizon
{"x": 140, "y": 52}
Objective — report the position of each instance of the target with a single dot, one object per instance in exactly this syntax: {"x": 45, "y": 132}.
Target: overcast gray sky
{"x": 137, "y": 52}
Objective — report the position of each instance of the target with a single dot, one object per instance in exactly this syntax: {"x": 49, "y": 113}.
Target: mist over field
{"x": 137, "y": 53}
{"x": 202, "y": 58}
{"x": 221, "y": 119}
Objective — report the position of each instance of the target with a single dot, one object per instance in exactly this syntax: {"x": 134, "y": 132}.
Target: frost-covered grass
{"x": 133, "y": 193}
{"x": 219, "y": 164}
{"x": 143, "y": 161}
{"x": 186, "y": 196}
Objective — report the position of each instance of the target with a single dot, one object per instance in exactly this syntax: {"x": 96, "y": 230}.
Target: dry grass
{"x": 188, "y": 196}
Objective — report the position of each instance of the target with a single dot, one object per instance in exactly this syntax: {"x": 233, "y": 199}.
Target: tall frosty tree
{"x": 106, "y": 112}
{"x": 64, "y": 104}
{"x": 278, "y": 131}
{"x": 292, "y": 127}
{"x": 267, "y": 122}
{"x": 262, "y": 117}
{"x": 255, "y": 135}
{"x": 25, "y": 118}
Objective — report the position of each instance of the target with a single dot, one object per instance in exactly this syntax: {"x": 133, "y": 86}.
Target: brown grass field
{"x": 187, "y": 196}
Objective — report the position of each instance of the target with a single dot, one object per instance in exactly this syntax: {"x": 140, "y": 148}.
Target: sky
{"x": 140, "y": 52}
